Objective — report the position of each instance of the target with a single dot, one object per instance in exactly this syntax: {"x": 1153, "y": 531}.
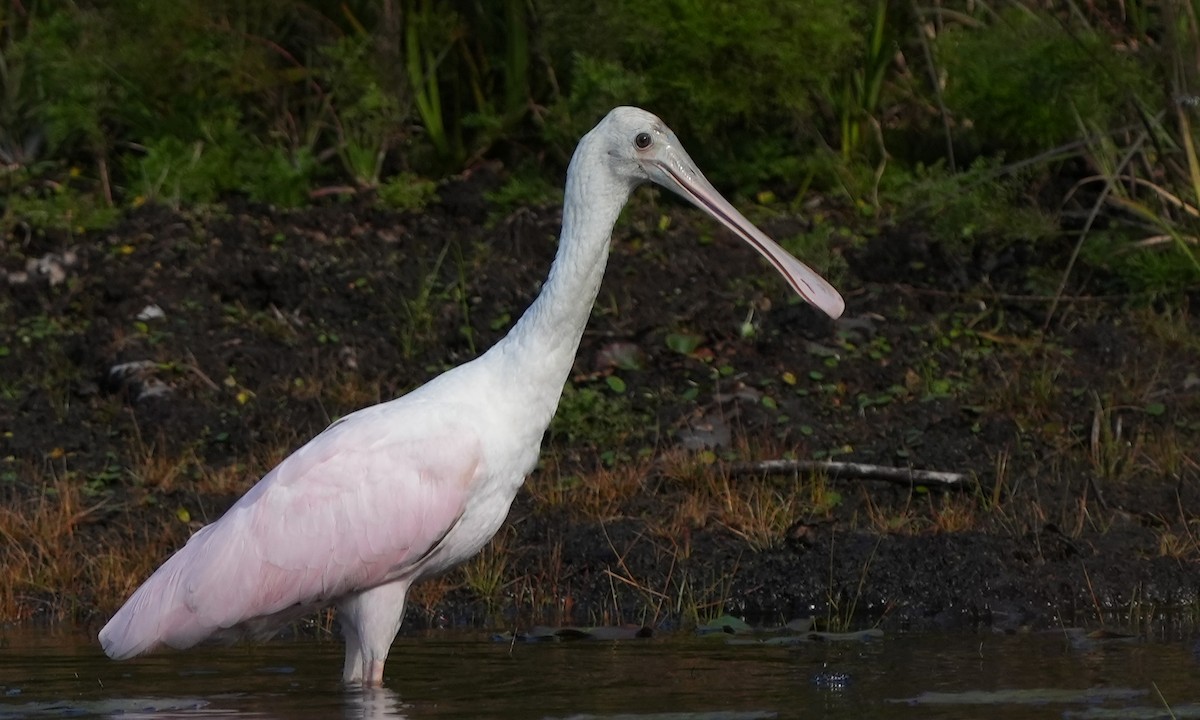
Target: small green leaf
{"x": 725, "y": 625}
{"x": 1156, "y": 409}
{"x": 684, "y": 343}
{"x": 183, "y": 514}
{"x": 615, "y": 384}
{"x": 500, "y": 321}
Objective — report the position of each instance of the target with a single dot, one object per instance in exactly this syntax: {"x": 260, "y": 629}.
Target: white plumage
{"x": 406, "y": 489}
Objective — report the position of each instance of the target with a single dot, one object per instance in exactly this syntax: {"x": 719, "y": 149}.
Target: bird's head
{"x": 639, "y": 147}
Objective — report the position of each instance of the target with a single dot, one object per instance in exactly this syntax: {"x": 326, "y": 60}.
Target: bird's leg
{"x": 352, "y": 671}
{"x": 370, "y": 621}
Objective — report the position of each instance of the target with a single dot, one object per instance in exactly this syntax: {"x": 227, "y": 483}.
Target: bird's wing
{"x": 349, "y": 510}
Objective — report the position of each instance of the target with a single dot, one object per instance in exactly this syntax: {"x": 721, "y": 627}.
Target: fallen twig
{"x": 902, "y": 475}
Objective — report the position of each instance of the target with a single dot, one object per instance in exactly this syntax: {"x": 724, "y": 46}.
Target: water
{"x": 465, "y": 675}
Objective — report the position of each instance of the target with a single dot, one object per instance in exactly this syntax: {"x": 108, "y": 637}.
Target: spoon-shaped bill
{"x": 679, "y": 173}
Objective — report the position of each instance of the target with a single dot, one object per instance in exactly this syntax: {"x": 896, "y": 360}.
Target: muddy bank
{"x": 152, "y": 372}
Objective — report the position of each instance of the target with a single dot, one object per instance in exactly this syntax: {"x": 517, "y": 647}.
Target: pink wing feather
{"x": 355, "y": 507}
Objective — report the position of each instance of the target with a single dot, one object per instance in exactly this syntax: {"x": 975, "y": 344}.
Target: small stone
{"x": 151, "y": 312}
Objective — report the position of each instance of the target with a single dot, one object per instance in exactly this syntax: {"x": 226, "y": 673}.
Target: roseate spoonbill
{"x": 406, "y": 489}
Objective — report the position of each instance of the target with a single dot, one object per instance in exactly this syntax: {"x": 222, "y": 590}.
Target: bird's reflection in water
{"x": 374, "y": 703}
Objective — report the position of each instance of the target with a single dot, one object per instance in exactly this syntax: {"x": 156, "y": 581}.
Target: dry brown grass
{"x": 1165, "y": 454}
{"x": 337, "y": 387}
{"x": 954, "y": 512}
{"x": 937, "y": 512}
{"x": 544, "y": 595}
{"x": 902, "y": 521}
{"x": 1180, "y": 544}
{"x": 35, "y": 531}
{"x": 653, "y": 599}
{"x": 1171, "y": 326}
{"x": 1112, "y": 446}
{"x": 487, "y": 574}
{"x": 232, "y": 479}
{"x": 1027, "y": 385}
{"x": 604, "y": 493}
{"x": 50, "y": 561}
{"x": 427, "y": 596}
{"x": 757, "y": 511}
{"x": 677, "y": 593}
{"x": 1181, "y": 541}
{"x": 153, "y": 468}
{"x": 691, "y": 479}
{"x": 115, "y": 570}
{"x": 701, "y": 494}
{"x": 236, "y": 478}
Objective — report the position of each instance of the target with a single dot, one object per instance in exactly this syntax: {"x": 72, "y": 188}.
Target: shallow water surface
{"x": 46, "y": 673}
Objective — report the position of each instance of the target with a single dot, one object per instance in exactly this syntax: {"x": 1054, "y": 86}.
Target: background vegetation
{"x": 1063, "y": 124}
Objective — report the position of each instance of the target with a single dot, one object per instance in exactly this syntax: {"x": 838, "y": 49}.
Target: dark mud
{"x": 166, "y": 364}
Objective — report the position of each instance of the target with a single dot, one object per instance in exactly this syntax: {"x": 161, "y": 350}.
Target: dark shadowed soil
{"x": 161, "y": 367}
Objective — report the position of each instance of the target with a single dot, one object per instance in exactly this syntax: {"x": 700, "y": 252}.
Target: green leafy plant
{"x": 525, "y": 187}
{"x": 407, "y": 191}
{"x": 223, "y": 159}
{"x": 985, "y": 203}
{"x": 597, "y": 418}
{"x": 732, "y": 75}
{"x": 1023, "y": 77}
{"x": 425, "y": 48}
{"x": 367, "y": 108}
{"x": 64, "y": 209}
{"x": 862, "y": 86}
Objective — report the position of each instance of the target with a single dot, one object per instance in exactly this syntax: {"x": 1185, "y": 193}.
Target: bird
{"x": 406, "y": 489}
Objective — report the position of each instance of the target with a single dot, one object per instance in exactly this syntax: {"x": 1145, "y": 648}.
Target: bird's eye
{"x": 642, "y": 140}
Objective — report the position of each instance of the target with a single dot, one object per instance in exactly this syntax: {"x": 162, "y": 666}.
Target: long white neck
{"x": 537, "y": 354}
